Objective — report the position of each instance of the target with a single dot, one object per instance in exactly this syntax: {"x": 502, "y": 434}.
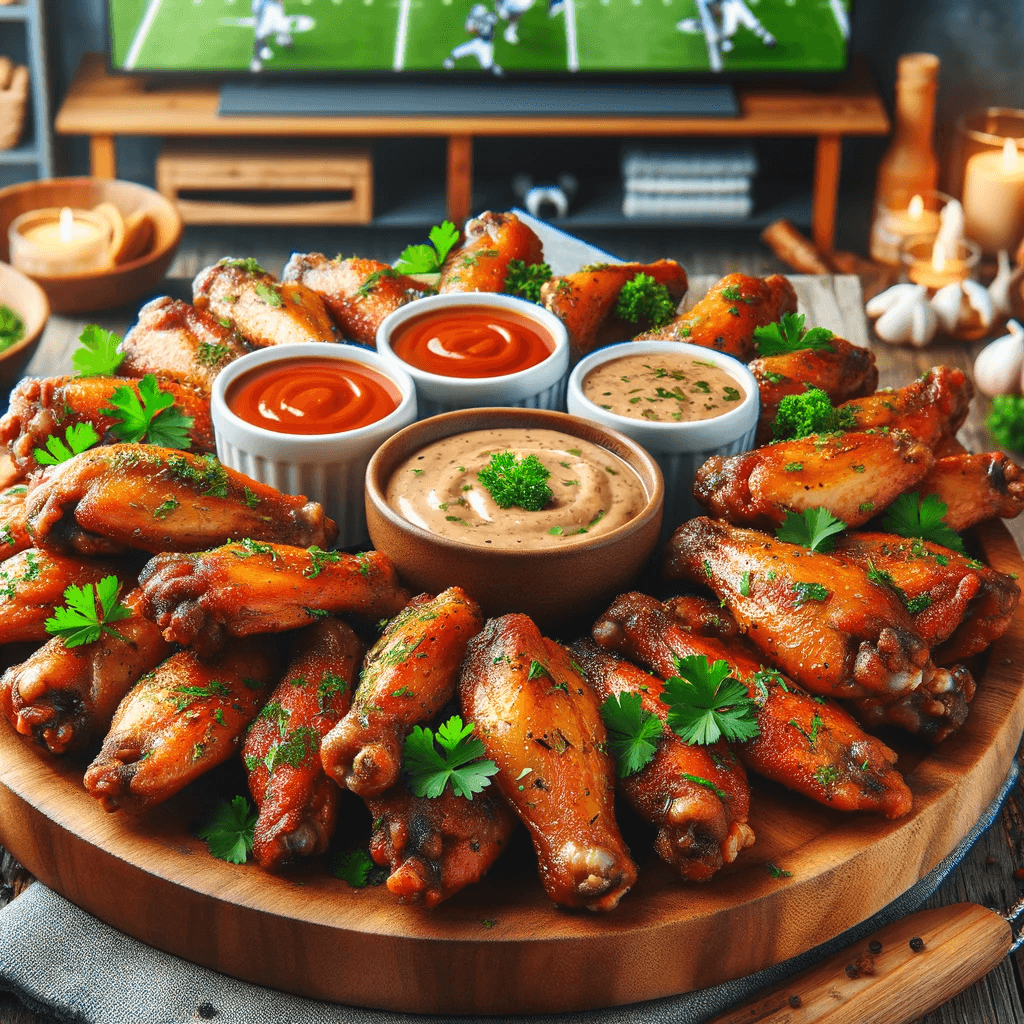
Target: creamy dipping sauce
{"x": 594, "y": 491}
{"x": 663, "y": 388}
{"x": 312, "y": 396}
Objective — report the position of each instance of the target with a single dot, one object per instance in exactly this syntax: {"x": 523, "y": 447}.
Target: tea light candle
{"x": 56, "y": 243}
{"x": 891, "y": 227}
{"x": 933, "y": 264}
{"x": 994, "y": 197}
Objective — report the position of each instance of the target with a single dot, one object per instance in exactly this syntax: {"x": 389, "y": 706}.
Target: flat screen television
{"x": 547, "y": 39}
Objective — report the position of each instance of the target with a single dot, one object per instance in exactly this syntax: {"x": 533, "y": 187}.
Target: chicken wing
{"x": 141, "y": 497}
{"x": 437, "y": 846}
{"x": 13, "y": 532}
{"x": 541, "y": 725}
{"x": 41, "y": 406}
{"x": 32, "y": 582}
{"x": 178, "y": 722}
{"x": 264, "y": 311}
{"x": 842, "y": 372}
{"x": 853, "y": 475}
{"x": 809, "y": 745}
{"x": 65, "y": 697}
{"x": 176, "y": 341}
{"x": 975, "y": 488}
{"x": 726, "y": 317}
{"x": 410, "y": 673}
{"x": 242, "y": 589}
{"x": 358, "y": 293}
{"x": 297, "y": 802}
{"x": 481, "y": 262}
{"x": 585, "y": 301}
{"x": 696, "y": 796}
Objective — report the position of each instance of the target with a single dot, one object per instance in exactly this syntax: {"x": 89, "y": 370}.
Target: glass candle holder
{"x": 59, "y": 242}
{"x": 917, "y": 257}
{"x": 891, "y": 228}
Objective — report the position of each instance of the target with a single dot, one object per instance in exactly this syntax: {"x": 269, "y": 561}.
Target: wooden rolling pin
{"x": 893, "y": 976}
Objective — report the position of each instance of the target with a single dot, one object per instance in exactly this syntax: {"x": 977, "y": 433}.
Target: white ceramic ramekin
{"x": 328, "y": 468}
{"x": 538, "y": 387}
{"x": 679, "y": 448}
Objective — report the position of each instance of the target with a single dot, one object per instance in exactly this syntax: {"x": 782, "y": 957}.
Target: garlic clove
{"x": 979, "y": 300}
{"x": 896, "y": 324}
{"x": 999, "y": 289}
{"x": 998, "y": 368}
{"x": 886, "y": 300}
{"x": 946, "y": 303}
{"x": 923, "y": 324}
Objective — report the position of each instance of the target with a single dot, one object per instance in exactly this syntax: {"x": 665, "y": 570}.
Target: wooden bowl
{"x": 105, "y": 287}
{"x": 553, "y": 587}
{"x": 29, "y": 301}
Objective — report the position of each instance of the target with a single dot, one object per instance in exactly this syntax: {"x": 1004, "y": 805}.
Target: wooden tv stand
{"x": 103, "y": 106}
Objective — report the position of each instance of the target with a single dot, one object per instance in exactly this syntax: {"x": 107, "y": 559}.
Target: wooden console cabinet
{"x": 103, "y": 106}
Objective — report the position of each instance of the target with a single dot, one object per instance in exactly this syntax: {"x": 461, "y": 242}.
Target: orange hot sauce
{"x": 313, "y": 396}
{"x": 480, "y": 341}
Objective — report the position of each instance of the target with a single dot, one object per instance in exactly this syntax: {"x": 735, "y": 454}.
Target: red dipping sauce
{"x": 478, "y": 341}
{"x": 312, "y": 396}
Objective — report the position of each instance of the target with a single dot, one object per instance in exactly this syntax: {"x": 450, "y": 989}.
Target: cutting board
{"x": 500, "y": 946}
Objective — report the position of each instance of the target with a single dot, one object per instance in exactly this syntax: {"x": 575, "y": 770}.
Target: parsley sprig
{"x": 813, "y": 528}
{"x": 150, "y": 415}
{"x": 460, "y": 762}
{"x": 428, "y": 259}
{"x": 705, "y": 703}
{"x": 97, "y": 354}
{"x": 525, "y": 280}
{"x": 12, "y": 327}
{"x": 788, "y": 335}
{"x": 519, "y": 482}
{"x": 910, "y": 515}
{"x": 229, "y": 834}
{"x": 77, "y": 438}
{"x": 354, "y": 867}
{"x": 632, "y": 732}
{"x": 79, "y": 621}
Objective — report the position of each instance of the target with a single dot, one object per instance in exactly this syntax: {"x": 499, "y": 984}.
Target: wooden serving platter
{"x": 501, "y": 947}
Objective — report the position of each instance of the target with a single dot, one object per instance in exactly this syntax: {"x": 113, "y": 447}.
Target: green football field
{"x": 417, "y": 35}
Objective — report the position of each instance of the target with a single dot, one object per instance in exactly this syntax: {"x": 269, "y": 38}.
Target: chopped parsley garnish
{"x": 149, "y": 415}
{"x": 645, "y": 300}
{"x": 294, "y": 750}
{"x": 249, "y": 265}
{"x": 353, "y": 867}
{"x": 519, "y": 482}
{"x": 428, "y": 259}
{"x": 96, "y": 355}
{"x": 12, "y": 327}
{"x": 165, "y": 508}
{"x": 79, "y": 437}
{"x": 705, "y": 702}
{"x": 318, "y": 559}
{"x": 915, "y": 605}
{"x": 461, "y": 761}
{"x": 229, "y": 834}
{"x": 810, "y": 592}
{"x": 210, "y": 355}
{"x": 788, "y": 335}
{"x": 911, "y": 516}
{"x": 537, "y": 671}
{"x": 188, "y": 695}
{"x": 525, "y": 280}
{"x": 813, "y": 528}
{"x": 632, "y": 732}
{"x": 204, "y": 473}
{"x": 251, "y": 499}
{"x": 268, "y": 293}
{"x": 79, "y": 621}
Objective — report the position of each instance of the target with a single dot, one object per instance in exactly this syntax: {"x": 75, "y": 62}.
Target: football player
{"x": 271, "y": 23}
{"x": 511, "y": 11}
{"x": 480, "y": 25}
{"x": 719, "y": 21}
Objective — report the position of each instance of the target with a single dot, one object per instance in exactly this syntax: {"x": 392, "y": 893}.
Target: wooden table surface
{"x": 988, "y": 875}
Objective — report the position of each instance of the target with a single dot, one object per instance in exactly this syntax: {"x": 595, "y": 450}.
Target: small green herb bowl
{"x": 29, "y": 301}
{"x": 555, "y": 587}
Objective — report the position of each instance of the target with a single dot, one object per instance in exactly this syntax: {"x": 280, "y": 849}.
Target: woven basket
{"x": 13, "y": 94}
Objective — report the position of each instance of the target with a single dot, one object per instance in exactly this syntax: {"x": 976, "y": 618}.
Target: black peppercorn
{"x": 206, "y": 1010}
{"x": 917, "y": 943}
{"x": 852, "y": 971}
{"x": 794, "y": 1001}
{"x": 875, "y": 946}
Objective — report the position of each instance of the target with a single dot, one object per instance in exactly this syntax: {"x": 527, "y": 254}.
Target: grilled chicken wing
{"x": 247, "y": 588}
{"x": 410, "y": 673}
{"x": 264, "y": 311}
{"x": 141, "y": 497}
{"x": 33, "y": 581}
{"x": 13, "y": 533}
{"x": 437, "y": 846}
{"x": 975, "y": 488}
{"x": 845, "y": 371}
{"x": 585, "y": 301}
{"x": 358, "y": 293}
{"x": 66, "y": 696}
{"x": 810, "y": 746}
{"x": 540, "y": 724}
{"x": 481, "y": 262}
{"x": 297, "y": 802}
{"x": 853, "y": 475}
{"x": 726, "y": 317}
{"x": 178, "y": 722}
{"x": 178, "y": 342}
{"x": 41, "y": 406}
{"x": 701, "y": 824}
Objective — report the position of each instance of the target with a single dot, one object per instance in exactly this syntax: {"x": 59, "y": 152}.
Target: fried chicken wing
{"x": 853, "y": 475}
{"x": 33, "y": 581}
{"x": 13, "y": 522}
{"x": 131, "y": 496}
{"x": 247, "y": 588}
{"x": 297, "y": 802}
{"x": 810, "y": 746}
{"x": 65, "y": 697}
{"x": 176, "y": 341}
{"x": 726, "y": 317}
{"x": 846, "y": 371}
{"x": 178, "y": 722}
{"x": 410, "y": 673}
{"x": 975, "y": 488}
{"x": 541, "y": 725}
{"x": 585, "y": 301}
{"x": 264, "y": 311}
{"x": 481, "y": 262}
{"x": 41, "y": 406}
{"x": 437, "y": 846}
{"x": 358, "y": 293}
{"x": 701, "y": 825}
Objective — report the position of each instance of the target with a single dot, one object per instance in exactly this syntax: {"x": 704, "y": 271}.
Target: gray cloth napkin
{"x": 60, "y": 960}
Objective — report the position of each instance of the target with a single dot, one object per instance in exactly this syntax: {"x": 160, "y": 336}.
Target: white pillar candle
{"x": 993, "y": 198}
{"x": 59, "y": 243}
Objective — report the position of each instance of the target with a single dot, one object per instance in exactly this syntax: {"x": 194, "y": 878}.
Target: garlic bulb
{"x": 884, "y": 301}
{"x": 906, "y": 315}
{"x": 998, "y": 368}
{"x": 947, "y": 302}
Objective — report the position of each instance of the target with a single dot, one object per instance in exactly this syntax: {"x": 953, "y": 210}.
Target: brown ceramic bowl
{"x": 107, "y": 287}
{"x": 29, "y": 301}
{"x": 554, "y": 587}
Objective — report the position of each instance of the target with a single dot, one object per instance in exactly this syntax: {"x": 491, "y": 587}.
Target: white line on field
{"x": 403, "y": 32}
{"x": 141, "y": 32}
{"x": 572, "y": 53}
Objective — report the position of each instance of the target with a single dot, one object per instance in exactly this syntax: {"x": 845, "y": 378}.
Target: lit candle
{"x": 892, "y": 227}
{"x": 57, "y": 243}
{"x": 935, "y": 263}
{"x": 994, "y": 197}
